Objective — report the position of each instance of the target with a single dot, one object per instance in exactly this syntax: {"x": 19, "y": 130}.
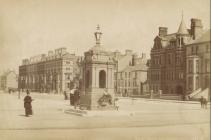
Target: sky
{"x": 32, "y": 27}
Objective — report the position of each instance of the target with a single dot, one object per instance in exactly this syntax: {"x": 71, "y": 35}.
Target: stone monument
{"x": 97, "y": 76}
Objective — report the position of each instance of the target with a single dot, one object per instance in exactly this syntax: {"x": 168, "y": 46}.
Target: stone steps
{"x": 76, "y": 112}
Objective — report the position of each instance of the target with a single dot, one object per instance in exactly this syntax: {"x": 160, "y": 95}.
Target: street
{"x": 149, "y": 120}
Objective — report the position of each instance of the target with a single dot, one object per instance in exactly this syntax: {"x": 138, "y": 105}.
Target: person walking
{"x": 116, "y": 103}
{"x": 65, "y": 95}
{"x": 72, "y": 96}
{"x": 202, "y": 101}
{"x": 76, "y": 97}
{"x": 27, "y": 104}
{"x": 205, "y": 103}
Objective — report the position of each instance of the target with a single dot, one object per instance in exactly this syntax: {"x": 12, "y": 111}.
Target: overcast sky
{"x": 32, "y": 27}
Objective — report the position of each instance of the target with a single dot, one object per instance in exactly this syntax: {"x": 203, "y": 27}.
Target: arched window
{"x": 102, "y": 79}
{"x": 182, "y": 41}
{"x": 87, "y": 79}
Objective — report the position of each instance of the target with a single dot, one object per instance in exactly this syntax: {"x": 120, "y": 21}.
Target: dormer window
{"x": 172, "y": 43}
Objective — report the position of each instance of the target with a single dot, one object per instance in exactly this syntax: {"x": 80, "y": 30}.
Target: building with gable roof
{"x": 167, "y": 70}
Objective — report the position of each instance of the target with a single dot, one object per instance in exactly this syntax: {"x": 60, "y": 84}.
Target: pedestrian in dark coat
{"x": 65, "y": 95}
{"x": 202, "y": 101}
{"x": 27, "y": 104}
{"x": 72, "y": 97}
{"x": 205, "y": 103}
{"x": 76, "y": 97}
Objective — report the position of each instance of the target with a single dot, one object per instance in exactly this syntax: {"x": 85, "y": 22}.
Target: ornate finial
{"x": 98, "y": 27}
{"x": 98, "y": 35}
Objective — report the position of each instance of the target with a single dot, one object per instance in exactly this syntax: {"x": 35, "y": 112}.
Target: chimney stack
{"x": 134, "y": 59}
{"x": 196, "y": 27}
{"x": 163, "y": 31}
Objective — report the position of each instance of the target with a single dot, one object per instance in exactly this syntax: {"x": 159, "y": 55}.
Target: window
{"x": 207, "y": 65}
{"x": 180, "y": 75}
{"x": 207, "y": 48}
{"x": 177, "y": 60}
{"x": 197, "y": 66}
{"x": 159, "y": 60}
{"x": 206, "y": 82}
{"x": 136, "y": 74}
{"x": 158, "y": 76}
{"x": 197, "y": 82}
{"x": 169, "y": 58}
{"x": 192, "y": 50}
{"x": 67, "y": 77}
{"x": 68, "y": 85}
{"x": 172, "y": 75}
{"x": 182, "y": 41}
{"x": 190, "y": 66}
{"x": 190, "y": 85}
{"x": 196, "y": 51}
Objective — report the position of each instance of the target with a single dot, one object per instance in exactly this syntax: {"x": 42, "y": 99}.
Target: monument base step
{"x": 102, "y": 113}
{"x": 76, "y": 112}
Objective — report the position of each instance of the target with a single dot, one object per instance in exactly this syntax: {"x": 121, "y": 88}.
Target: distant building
{"x": 54, "y": 72}
{"x": 9, "y": 81}
{"x": 167, "y": 71}
{"x": 123, "y": 60}
{"x": 131, "y": 80}
{"x": 198, "y": 63}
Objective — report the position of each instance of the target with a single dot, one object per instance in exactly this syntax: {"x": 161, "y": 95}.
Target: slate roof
{"x": 205, "y": 37}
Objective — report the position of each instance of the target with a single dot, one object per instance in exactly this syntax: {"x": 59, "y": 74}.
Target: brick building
{"x": 167, "y": 71}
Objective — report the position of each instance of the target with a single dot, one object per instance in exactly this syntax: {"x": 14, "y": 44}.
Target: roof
{"x": 5, "y": 74}
{"x": 97, "y": 48}
{"x": 182, "y": 28}
{"x": 135, "y": 68}
{"x": 205, "y": 37}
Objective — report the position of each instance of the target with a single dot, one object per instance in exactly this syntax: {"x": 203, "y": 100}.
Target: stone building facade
{"x": 167, "y": 71}
{"x": 49, "y": 73}
{"x": 198, "y": 63}
{"x": 132, "y": 79}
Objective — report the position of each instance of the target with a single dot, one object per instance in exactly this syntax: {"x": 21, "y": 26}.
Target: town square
{"x": 77, "y": 70}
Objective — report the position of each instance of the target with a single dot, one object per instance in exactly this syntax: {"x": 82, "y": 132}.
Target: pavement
{"x": 148, "y": 120}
